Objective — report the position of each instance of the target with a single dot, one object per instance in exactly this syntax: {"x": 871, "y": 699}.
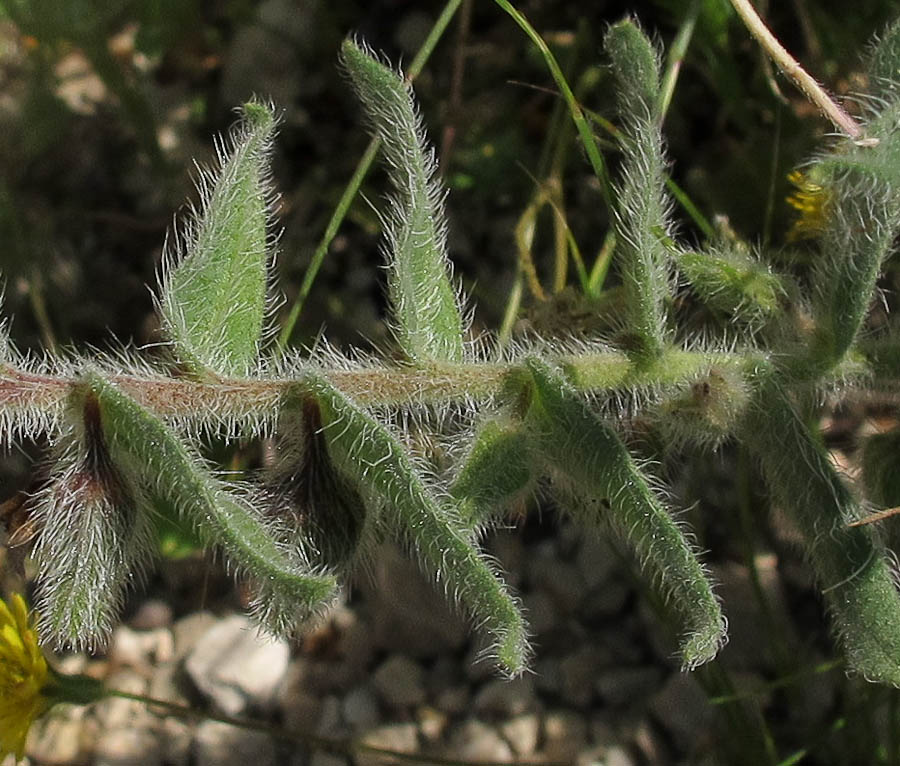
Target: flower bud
{"x": 94, "y": 533}
{"x": 326, "y": 510}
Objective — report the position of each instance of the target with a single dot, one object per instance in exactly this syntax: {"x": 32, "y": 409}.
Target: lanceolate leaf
{"x": 367, "y": 453}
{"x": 643, "y": 224}
{"x": 213, "y": 295}
{"x": 850, "y": 563}
{"x": 498, "y": 469}
{"x": 584, "y": 451}
{"x": 884, "y": 64}
{"x": 635, "y": 64}
{"x": 427, "y": 316}
{"x": 144, "y": 446}
{"x": 861, "y": 209}
{"x": 735, "y": 284}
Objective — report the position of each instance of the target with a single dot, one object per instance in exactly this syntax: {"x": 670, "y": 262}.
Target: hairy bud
{"x": 96, "y": 536}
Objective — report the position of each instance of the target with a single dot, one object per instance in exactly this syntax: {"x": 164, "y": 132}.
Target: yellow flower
{"x": 811, "y": 200}
{"x": 24, "y": 677}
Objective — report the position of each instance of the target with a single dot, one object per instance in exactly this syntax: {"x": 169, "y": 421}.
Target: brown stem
{"x": 801, "y": 78}
{"x": 23, "y": 392}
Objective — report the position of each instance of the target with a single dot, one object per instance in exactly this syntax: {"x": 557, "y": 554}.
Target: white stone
{"x": 117, "y": 713}
{"x": 176, "y": 737}
{"x": 476, "y": 741}
{"x": 398, "y": 737}
{"x": 235, "y": 666}
{"x": 432, "y": 723}
{"x": 57, "y": 737}
{"x": 128, "y": 747}
{"x": 188, "y": 631}
{"x": 522, "y": 733}
{"x": 565, "y": 735}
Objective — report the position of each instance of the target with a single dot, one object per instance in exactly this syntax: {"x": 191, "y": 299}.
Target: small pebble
{"x": 505, "y": 699}
{"x": 473, "y": 740}
{"x": 522, "y": 733}
{"x": 360, "y": 708}
{"x": 565, "y": 735}
{"x": 432, "y": 723}
{"x": 128, "y": 747}
{"x": 152, "y": 614}
{"x": 397, "y": 737}
{"x": 218, "y": 744}
{"x": 235, "y": 666}
{"x": 400, "y": 681}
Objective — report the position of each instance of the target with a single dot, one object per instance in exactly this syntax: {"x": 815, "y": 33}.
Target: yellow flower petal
{"x": 811, "y": 201}
{"x": 23, "y": 676}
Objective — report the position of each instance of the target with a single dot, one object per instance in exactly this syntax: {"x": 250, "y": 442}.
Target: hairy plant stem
{"x": 594, "y": 372}
{"x": 792, "y": 68}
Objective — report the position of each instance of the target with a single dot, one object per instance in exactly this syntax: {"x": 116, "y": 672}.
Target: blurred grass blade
{"x": 581, "y": 124}
{"x": 677, "y": 51}
{"x": 213, "y": 292}
{"x": 426, "y": 311}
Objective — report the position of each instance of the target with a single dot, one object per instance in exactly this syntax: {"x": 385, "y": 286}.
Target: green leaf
{"x": 289, "y": 590}
{"x": 849, "y": 561}
{"x": 497, "y": 470}
{"x": 585, "y": 453}
{"x": 426, "y": 307}
{"x": 735, "y": 284}
{"x": 367, "y": 454}
{"x": 213, "y": 293}
{"x": 859, "y": 207}
{"x": 643, "y": 215}
{"x": 883, "y": 65}
{"x": 636, "y": 68}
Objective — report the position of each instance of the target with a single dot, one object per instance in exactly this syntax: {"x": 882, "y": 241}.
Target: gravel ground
{"x": 394, "y": 668}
